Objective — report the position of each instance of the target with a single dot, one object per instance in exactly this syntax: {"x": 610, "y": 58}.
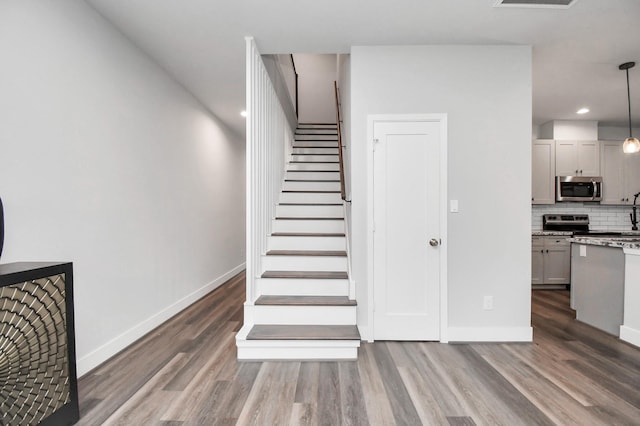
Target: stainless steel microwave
{"x": 578, "y": 188}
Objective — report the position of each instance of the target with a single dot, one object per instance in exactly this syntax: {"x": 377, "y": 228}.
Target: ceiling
{"x": 576, "y": 51}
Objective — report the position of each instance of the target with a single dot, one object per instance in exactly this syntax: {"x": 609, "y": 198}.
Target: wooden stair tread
{"x": 310, "y": 180}
{"x": 341, "y": 253}
{"x": 331, "y": 275}
{"x": 313, "y": 162}
{"x": 304, "y": 332}
{"x": 305, "y": 300}
{"x": 310, "y": 204}
{"x": 309, "y": 218}
{"x": 306, "y": 234}
{"x": 312, "y": 192}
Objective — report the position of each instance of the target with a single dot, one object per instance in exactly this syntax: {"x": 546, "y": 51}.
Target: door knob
{"x": 434, "y": 243}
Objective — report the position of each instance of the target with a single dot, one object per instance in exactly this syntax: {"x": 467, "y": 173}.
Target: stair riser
{"x": 317, "y": 129}
{"x": 309, "y": 211}
{"x": 313, "y": 166}
{"x": 333, "y": 138}
{"x": 304, "y": 315}
{"x": 313, "y": 175}
{"x": 315, "y": 158}
{"x": 315, "y": 226}
{"x": 311, "y": 186}
{"x": 316, "y": 125}
{"x": 282, "y": 350}
{"x": 316, "y": 144}
{"x": 307, "y": 243}
{"x": 304, "y": 263}
{"x": 332, "y": 151}
{"x": 301, "y": 287}
{"x": 310, "y": 198}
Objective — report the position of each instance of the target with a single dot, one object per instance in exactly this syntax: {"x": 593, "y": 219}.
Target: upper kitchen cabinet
{"x": 620, "y": 173}
{"x": 577, "y": 158}
{"x": 543, "y": 170}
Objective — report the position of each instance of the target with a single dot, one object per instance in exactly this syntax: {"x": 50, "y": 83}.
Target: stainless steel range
{"x": 576, "y": 223}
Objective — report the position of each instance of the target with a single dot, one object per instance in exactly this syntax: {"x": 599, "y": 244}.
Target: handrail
{"x": 296, "y": 74}
{"x": 339, "y": 128}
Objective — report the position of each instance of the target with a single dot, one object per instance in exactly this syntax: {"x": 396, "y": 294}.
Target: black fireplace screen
{"x": 34, "y": 365}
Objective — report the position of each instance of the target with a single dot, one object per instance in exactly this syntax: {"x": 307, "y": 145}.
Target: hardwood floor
{"x": 186, "y": 373}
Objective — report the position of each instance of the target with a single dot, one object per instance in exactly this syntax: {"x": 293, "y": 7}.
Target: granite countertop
{"x": 631, "y": 241}
{"x": 551, "y": 233}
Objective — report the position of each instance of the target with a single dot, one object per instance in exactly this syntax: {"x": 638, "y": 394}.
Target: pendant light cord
{"x": 629, "y": 102}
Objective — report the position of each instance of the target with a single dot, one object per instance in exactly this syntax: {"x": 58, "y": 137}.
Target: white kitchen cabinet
{"x": 577, "y": 158}
{"x": 537, "y": 260}
{"x": 550, "y": 260}
{"x": 620, "y": 173}
{"x": 543, "y": 172}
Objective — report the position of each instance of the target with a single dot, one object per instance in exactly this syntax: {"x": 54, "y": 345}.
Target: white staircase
{"x": 302, "y": 308}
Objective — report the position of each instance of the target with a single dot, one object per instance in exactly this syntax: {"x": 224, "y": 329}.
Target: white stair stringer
{"x": 302, "y": 309}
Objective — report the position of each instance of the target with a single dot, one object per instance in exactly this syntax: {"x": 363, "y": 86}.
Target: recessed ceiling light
{"x": 243, "y": 113}
{"x": 582, "y": 111}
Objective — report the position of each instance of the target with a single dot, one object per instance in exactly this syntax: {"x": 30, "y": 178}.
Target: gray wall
{"x": 105, "y": 161}
{"x": 486, "y": 92}
{"x": 316, "y": 98}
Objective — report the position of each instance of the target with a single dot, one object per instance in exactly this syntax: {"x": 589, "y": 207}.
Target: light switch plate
{"x": 454, "y": 206}
{"x": 583, "y": 251}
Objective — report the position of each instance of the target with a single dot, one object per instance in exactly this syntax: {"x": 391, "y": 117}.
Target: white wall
{"x": 316, "y": 98}
{"x": 486, "y": 92}
{"x": 107, "y": 162}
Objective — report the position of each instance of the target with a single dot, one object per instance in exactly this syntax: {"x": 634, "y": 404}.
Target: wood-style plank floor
{"x": 185, "y": 373}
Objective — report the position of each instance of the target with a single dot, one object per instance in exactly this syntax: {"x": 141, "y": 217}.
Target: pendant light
{"x": 631, "y": 144}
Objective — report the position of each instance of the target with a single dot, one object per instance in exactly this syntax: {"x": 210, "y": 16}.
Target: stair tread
{"x": 306, "y": 234}
{"x": 306, "y": 253}
{"x": 304, "y": 332}
{"x": 305, "y": 300}
{"x": 310, "y": 204}
{"x": 338, "y": 275}
{"x": 310, "y": 180}
{"x": 309, "y": 218}
{"x": 312, "y": 191}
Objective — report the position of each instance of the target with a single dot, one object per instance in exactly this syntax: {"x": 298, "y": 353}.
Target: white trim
{"x": 630, "y": 335}
{"x": 120, "y": 342}
{"x": 442, "y": 119}
{"x": 490, "y": 334}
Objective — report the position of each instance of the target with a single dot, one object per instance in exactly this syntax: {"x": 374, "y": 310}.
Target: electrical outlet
{"x": 488, "y": 303}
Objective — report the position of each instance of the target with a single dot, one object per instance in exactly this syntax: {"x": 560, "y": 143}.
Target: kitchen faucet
{"x": 634, "y": 215}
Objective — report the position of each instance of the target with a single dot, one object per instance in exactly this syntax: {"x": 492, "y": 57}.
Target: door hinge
{"x": 375, "y": 143}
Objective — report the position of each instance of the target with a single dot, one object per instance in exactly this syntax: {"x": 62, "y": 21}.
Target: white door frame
{"x": 442, "y": 120}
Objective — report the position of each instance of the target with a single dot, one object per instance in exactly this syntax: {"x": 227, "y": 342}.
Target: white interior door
{"x": 406, "y": 217}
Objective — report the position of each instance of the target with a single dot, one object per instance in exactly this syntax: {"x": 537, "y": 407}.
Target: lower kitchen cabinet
{"x": 550, "y": 260}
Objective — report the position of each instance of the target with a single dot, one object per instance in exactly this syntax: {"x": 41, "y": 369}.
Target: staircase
{"x": 303, "y": 310}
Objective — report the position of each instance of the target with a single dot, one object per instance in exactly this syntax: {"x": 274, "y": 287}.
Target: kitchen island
{"x": 605, "y": 284}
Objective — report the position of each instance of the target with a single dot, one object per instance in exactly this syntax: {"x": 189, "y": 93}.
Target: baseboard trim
{"x": 490, "y": 334}
{"x": 118, "y": 343}
{"x": 630, "y": 335}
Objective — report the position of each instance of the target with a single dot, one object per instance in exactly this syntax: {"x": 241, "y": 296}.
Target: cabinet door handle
{"x": 547, "y": 250}
{"x": 541, "y": 251}
{"x": 576, "y": 171}
{"x": 580, "y": 171}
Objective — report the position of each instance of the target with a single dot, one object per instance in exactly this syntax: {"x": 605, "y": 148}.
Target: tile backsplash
{"x": 606, "y": 218}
